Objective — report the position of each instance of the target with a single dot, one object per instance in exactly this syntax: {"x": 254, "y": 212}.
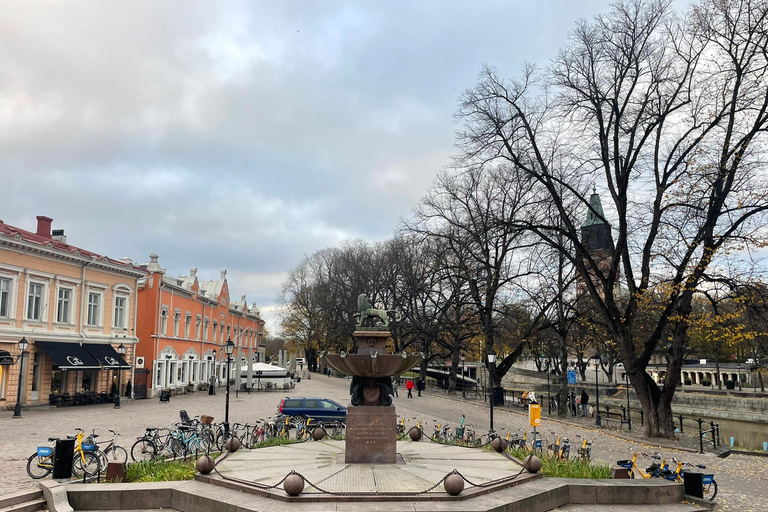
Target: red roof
{"x": 43, "y": 239}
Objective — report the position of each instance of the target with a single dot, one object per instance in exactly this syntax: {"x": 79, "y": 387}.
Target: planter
{"x": 729, "y": 384}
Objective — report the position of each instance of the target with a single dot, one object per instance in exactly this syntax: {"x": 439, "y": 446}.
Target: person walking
{"x": 211, "y": 385}
{"x": 419, "y": 385}
{"x": 409, "y": 388}
{"x": 584, "y": 402}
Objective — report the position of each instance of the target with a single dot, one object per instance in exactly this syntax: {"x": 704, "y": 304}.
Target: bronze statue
{"x": 366, "y": 310}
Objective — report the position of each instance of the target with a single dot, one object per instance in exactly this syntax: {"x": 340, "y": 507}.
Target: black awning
{"x": 68, "y": 356}
{"x": 6, "y": 358}
{"x": 107, "y": 356}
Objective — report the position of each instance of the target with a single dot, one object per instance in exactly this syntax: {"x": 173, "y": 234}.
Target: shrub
{"x": 572, "y": 468}
{"x": 159, "y": 470}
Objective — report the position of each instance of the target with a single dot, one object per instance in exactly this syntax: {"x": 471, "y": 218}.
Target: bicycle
{"x": 631, "y": 465}
{"x": 40, "y": 463}
{"x": 585, "y": 452}
{"x": 559, "y": 451}
{"x": 186, "y": 441}
{"x": 151, "y": 444}
{"x": 302, "y": 431}
{"x": 708, "y": 483}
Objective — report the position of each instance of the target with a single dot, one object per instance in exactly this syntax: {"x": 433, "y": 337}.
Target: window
{"x": 228, "y": 328}
{"x": 64, "y": 306}
{"x": 311, "y": 404}
{"x": 119, "y": 312}
{"x": 5, "y": 298}
{"x": 164, "y": 321}
{"x": 176, "y": 318}
{"x": 205, "y": 329}
{"x": 215, "y": 331}
{"x": 187, "y": 323}
{"x": 35, "y": 301}
{"x": 328, "y": 406}
{"x": 198, "y": 323}
{"x": 94, "y": 306}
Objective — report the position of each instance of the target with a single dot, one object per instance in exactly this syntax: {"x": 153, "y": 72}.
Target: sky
{"x": 244, "y": 135}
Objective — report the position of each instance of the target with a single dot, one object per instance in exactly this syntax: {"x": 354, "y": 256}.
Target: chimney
{"x": 59, "y": 236}
{"x": 193, "y": 272}
{"x": 44, "y": 226}
{"x": 223, "y": 274}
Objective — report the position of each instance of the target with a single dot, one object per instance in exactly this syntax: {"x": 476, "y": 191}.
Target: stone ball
{"x": 453, "y": 484}
{"x": 293, "y": 485}
{"x": 415, "y": 434}
{"x": 532, "y": 463}
{"x": 498, "y": 444}
{"x": 205, "y": 464}
{"x": 233, "y": 444}
{"x": 318, "y": 434}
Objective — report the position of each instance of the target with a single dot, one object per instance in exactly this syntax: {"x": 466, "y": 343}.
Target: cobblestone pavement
{"x": 742, "y": 479}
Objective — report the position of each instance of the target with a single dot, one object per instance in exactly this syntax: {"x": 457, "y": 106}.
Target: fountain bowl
{"x": 366, "y": 365}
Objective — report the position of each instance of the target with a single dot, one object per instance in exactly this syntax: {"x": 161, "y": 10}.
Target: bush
{"x": 573, "y": 468}
{"x": 159, "y": 470}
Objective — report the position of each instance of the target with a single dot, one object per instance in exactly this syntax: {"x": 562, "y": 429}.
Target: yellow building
{"x": 74, "y": 307}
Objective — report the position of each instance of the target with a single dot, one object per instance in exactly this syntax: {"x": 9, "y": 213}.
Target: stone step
{"x": 6, "y": 500}
{"x": 667, "y": 507}
{"x": 26, "y": 506}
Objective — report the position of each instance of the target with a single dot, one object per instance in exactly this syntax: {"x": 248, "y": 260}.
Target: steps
{"x": 25, "y": 501}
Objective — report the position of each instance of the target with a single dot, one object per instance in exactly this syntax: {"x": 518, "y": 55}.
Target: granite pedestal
{"x": 371, "y": 435}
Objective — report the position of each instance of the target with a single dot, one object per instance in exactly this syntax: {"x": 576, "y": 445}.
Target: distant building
{"x": 183, "y": 325}
{"x": 73, "y": 306}
{"x": 596, "y": 236}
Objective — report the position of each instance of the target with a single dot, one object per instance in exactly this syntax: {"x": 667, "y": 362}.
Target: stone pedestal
{"x": 371, "y": 435}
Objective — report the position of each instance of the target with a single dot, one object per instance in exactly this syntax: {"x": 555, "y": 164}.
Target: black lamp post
{"x": 738, "y": 369}
{"x": 629, "y": 412}
{"x": 121, "y": 351}
{"x": 549, "y": 398}
{"x": 491, "y": 354}
{"x": 23, "y": 344}
{"x": 598, "y": 419}
{"x": 463, "y": 376}
{"x": 229, "y": 348}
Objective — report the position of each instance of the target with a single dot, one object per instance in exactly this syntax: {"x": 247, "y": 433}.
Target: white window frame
{"x": 43, "y": 310}
{"x": 124, "y": 311}
{"x": 198, "y": 324}
{"x": 99, "y": 311}
{"x": 11, "y": 297}
{"x": 215, "y": 331}
{"x": 206, "y": 323}
{"x": 187, "y": 324}
{"x": 164, "y": 321}
{"x": 71, "y": 300}
{"x": 176, "y": 319}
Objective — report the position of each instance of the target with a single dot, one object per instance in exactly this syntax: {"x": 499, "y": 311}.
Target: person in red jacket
{"x": 409, "y": 387}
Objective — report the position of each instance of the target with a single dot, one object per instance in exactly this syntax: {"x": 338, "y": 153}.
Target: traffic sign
{"x": 571, "y": 376}
{"x": 534, "y": 414}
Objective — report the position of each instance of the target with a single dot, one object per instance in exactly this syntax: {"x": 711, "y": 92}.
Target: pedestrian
{"x": 409, "y": 388}
{"x": 419, "y": 385}
{"x": 211, "y": 385}
{"x": 572, "y": 400}
{"x": 584, "y": 402}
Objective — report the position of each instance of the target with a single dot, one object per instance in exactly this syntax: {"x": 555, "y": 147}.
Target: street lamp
{"x": 463, "y": 376}
{"x": 738, "y": 369}
{"x": 549, "y": 398}
{"x": 23, "y": 344}
{"x": 598, "y": 420}
{"x": 491, "y": 354}
{"x": 229, "y": 348}
{"x": 121, "y": 351}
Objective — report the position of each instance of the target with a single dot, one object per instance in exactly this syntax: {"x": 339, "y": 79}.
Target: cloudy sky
{"x": 243, "y": 135}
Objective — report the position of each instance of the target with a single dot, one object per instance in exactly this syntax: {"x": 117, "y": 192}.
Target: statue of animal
{"x": 366, "y": 310}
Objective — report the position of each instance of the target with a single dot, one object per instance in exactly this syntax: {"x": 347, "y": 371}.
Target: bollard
{"x": 732, "y": 441}
{"x": 681, "y": 423}
{"x": 765, "y": 446}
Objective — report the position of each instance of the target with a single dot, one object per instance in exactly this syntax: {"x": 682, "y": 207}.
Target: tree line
{"x": 664, "y": 114}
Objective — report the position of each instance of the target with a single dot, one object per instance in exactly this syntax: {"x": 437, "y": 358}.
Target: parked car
{"x": 319, "y": 410}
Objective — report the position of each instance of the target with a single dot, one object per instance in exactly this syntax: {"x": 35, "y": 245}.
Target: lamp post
{"x": 463, "y": 376}
{"x": 549, "y": 398}
{"x": 629, "y": 413}
{"x": 738, "y": 369}
{"x": 598, "y": 420}
{"x": 121, "y": 351}
{"x": 23, "y": 344}
{"x": 229, "y": 348}
{"x": 491, "y": 354}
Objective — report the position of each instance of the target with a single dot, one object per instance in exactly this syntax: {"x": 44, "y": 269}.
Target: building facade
{"x": 73, "y": 306}
{"x": 183, "y": 325}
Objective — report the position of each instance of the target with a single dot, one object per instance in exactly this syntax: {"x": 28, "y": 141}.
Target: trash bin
{"x": 62, "y": 459}
{"x": 693, "y": 482}
{"x": 498, "y": 395}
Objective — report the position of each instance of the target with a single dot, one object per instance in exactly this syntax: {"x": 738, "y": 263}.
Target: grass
{"x": 275, "y": 441}
{"x": 573, "y": 468}
{"x": 160, "y": 470}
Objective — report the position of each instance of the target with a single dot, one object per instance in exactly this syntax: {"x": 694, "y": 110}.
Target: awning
{"x": 68, "y": 356}
{"x": 6, "y": 358}
{"x": 107, "y": 356}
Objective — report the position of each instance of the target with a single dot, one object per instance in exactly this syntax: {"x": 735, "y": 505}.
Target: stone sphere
{"x": 293, "y": 485}
{"x": 532, "y": 464}
{"x": 498, "y": 444}
{"x": 233, "y": 444}
{"x": 205, "y": 464}
{"x": 453, "y": 484}
{"x": 318, "y": 434}
{"x": 415, "y": 434}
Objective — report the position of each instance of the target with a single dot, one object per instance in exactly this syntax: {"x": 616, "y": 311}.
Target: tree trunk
{"x": 452, "y": 372}
{"x": 657, "y": 408}
{"x": 717, "y": 373}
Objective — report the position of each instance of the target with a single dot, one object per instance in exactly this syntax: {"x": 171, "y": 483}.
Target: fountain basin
{"x": 363, "y": 365}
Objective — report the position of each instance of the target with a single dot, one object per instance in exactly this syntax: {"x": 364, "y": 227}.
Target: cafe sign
{"x": 6, "y": 359}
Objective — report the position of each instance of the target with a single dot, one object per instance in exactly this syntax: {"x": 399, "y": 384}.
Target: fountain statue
{"x": 371, "y": 435}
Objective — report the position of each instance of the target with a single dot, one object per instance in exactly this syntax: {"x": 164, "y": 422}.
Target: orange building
{"x": 73, "y": 306}
{"x": 183, "y": 325}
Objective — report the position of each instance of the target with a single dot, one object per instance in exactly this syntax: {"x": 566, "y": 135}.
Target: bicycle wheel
{"x": 102, "y": 458}
{"x": 39, "y": 467}
{"x": 85, "y": 462}
{"x": 143, "y": 449}
{"x": 116, "y": 454}
{"x": 710, "y": 488}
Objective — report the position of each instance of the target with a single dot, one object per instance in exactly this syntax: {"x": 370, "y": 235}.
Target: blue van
{"x": 319, "y": 410}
